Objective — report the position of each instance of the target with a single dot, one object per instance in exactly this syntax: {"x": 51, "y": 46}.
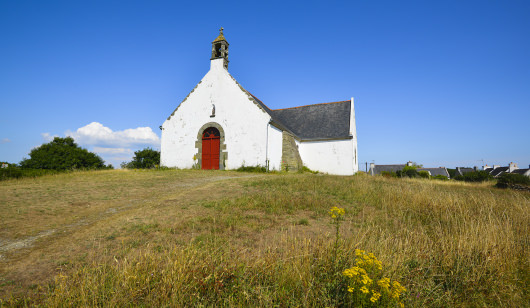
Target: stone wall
{"x": 291, "y": 160}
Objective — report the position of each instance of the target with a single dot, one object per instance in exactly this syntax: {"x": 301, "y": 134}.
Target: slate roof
{"x": 311, "y": 122}
{"x": 436, "y": 171}
{"x": 520, "y": 171}
{"x": 488, "y": 170}
{"x": 388, "y": 168}
{"x": 498, "y": 171}
{"x": 319, "y": 121}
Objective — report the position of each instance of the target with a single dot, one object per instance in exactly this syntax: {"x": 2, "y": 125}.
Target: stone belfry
{"x": 220, "y": 49}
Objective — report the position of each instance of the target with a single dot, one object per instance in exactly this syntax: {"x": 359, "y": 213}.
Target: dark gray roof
{"x": 435, "y": 171}
{"x": 319, "y": 121}
{"x": 387, "y": 168}
{"x": 499, "y": 170}
{"x": 488, "y": 170}
{"x": 520, "y": 171}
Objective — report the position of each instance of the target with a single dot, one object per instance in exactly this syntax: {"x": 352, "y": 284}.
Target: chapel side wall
{"x": 244, "y": 124}
{"x": 329, "y": 156}
{"x": 275, "y": 148}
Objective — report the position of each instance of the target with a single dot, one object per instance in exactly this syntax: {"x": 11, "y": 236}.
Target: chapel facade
{"x": 220, "y": 125}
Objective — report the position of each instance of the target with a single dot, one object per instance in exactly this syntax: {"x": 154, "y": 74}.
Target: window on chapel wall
{"x": 211, "y": 132}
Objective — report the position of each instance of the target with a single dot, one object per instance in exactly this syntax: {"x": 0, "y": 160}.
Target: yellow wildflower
{"x": 366, "y": 280}
{"x": 364, "y": 290}
{"x": 336, "y": 212}
{"x": 384, "y": 283}
{"x": 350, "y": 289}
{"x": 375, "y": 296}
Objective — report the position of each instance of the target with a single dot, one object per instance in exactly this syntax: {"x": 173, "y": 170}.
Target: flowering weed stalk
{"x": 336, "y": 215}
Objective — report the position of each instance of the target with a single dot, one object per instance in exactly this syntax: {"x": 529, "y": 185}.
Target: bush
{"x": 143, "y": 159}
{"x": 440, "y": 177}
{"x": 509, "y": 179}
{"x": 452, "y": 172}
{"x": 388, "y": 174}
{"x": 477, "y": 176}
{"x": 424, "y": 174}
{"x": 306, "y": 169}
{"x": 14, "y": 172}
{"x": 62, "y": 154}
{"x": 257, "y": 168}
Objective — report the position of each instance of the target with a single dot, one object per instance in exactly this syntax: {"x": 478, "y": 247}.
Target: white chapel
{"x": 220, "y": 125}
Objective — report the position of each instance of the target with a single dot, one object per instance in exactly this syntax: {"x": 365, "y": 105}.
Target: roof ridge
{"x": 311, "y": 105}
{"x": 259, "y": 100}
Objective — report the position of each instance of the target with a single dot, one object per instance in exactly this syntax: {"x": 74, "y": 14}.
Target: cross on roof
{"x": 221, "y": 30}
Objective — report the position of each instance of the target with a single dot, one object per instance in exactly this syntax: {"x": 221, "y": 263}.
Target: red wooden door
{"x": 210, "y": 148}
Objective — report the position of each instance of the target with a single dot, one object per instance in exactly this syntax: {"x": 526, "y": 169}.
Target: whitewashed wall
{"x": 275, "y": 148}
{"x": 353, "y": 133}
{"x": 245, "y": 124}
{"x": 333, "y": 156}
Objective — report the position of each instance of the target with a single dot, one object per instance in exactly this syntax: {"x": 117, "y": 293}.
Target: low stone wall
{"x": 519, "y": 187}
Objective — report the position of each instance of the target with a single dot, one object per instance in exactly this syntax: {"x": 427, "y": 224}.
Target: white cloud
{"x": 96, "y": 134}
{"x": 5, "y": 140}
{"x": 113, "y": 146}
{"x": 113, "y": 151}
{"x": 47, "y": 137}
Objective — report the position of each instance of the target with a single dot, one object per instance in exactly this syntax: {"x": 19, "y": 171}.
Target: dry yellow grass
{"x": 228, "y": 238}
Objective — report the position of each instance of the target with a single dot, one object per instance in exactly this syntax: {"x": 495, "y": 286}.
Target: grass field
{"x": 219, "y": 238}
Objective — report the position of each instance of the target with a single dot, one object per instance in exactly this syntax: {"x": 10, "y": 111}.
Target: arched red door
{"x": 210, "y": 148}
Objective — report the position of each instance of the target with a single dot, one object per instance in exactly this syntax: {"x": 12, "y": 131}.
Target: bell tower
{"x": 220, "y": 49}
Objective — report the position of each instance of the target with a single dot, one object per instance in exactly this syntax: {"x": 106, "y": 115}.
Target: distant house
{"x": 497, "y": 171}
{"x": 525, "y": 172}
{"x": 378, "y": 169}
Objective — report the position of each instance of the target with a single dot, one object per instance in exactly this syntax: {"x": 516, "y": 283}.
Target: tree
{"x": 62, "y": 154}
{"x": 143, "y": 159}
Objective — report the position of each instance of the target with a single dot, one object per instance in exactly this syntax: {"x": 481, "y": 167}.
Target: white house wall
{"x": 333, "y": 156}
{"x": 244, "y": 123}
{"x": 275, "y": 148}
{"x": 353, "y": 133}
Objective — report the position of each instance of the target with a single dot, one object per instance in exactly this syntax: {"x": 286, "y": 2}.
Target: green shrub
{"x": 477, "y": 176}
{"x": 440, "y": 177}
{"x": 17, "y": 172}
{"x": 424, "y": 174}
{"x": 408, "y": 171}
{"x": 388, "y": 174}
{"x": 509, "y": 179}
{"x": 452, "y": 172}
{"x": 143, "y": 159}
{"x": 62, "y": 154}
{"x": 257, "y": 168}
{"x": 305, "y": 169}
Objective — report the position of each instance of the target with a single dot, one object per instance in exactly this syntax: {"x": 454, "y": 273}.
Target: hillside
{"x": 188, "y": 237}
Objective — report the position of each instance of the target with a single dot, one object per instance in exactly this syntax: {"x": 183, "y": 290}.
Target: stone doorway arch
{"x": 223, "y": 154}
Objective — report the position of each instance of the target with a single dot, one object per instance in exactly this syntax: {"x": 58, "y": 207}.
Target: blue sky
{"x": 441, "y": 83}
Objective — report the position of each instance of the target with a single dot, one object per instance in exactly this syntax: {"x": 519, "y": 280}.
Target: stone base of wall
{"x": 291, "y": 160}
